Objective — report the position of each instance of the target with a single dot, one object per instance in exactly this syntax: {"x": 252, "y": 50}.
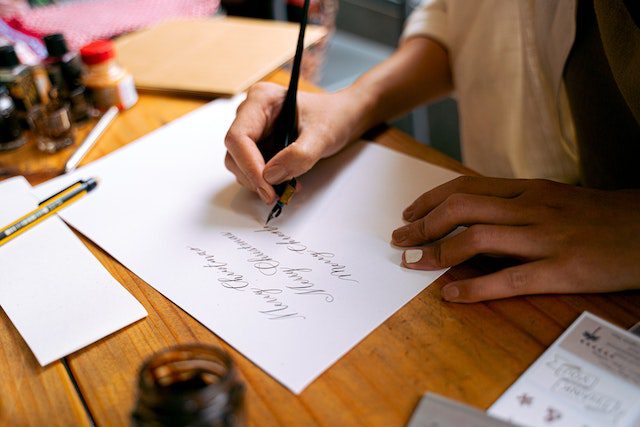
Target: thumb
{"x": 294, "y": 160}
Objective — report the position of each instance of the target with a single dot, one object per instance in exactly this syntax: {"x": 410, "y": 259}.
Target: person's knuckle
{"x": 477, "y": 237}
{"x": 516, "y": 280}
{"x": 228, "y": 162}
{"x": 543, "y": 187}
{"x": 252, "y": 174}
{"x": 540, "y": 212}
{"x": 438, "y": 256}
{"x": 455, "y": 205}
{"x": 259, "y": 89}
{"x": 463, "y": 181}
{"x": 242, "y": 106}
{"x": 231, "y": 138}
{"x": 422, "y": 229}
{"x": 303, "y": 155}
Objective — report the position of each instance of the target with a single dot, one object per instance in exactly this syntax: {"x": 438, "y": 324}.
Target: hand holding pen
{"x": 260, "y": 145}
{"x": 322, "y": 132}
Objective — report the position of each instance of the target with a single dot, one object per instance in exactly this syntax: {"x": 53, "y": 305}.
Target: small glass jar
{"x": 52, "y": 126}
{"x": 11, "y": 135}
{"x": 189, "y": 385}
{"x": 80, "y": 108}
{"x": 19, "y": 79}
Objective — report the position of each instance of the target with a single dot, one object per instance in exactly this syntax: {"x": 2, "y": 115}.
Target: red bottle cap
{"x": 97, "y": 52}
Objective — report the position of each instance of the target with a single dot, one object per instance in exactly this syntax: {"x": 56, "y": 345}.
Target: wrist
{"x": 361, "y": 105}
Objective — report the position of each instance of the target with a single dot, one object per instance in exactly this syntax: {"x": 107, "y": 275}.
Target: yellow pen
{"x": 47, "y": 208}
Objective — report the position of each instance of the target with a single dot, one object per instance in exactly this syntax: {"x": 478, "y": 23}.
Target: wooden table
{"x": 470, "y": 353}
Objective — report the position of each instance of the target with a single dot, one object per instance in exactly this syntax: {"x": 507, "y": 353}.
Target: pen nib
{"x": 275, "y": 212}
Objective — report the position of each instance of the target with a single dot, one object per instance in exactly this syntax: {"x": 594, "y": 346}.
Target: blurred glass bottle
{"x": 52, "y": 126}
{"x": 65, "y": 72}
{"x": 108, "y": 83}
{"x": 189, "y": 385}
{"x": 18, "y": 78}
{"x": 11, "y": 135}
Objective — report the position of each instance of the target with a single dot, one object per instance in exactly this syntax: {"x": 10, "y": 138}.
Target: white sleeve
{"x": 428, "y": 19}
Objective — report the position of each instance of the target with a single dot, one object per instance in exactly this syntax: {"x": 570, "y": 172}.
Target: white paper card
{"x": 589, "y": 377}
{"x": 294, "y": 297}
{"x": 58, "y": 296}
{"x": 437, "y": 411}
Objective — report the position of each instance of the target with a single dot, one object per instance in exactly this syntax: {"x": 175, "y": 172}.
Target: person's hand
{"x": 569, "y": 239}
{"x": 325, "y": 123}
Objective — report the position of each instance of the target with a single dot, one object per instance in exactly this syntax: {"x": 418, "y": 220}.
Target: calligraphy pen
{"x": 91, "y": 139}
{"x": 285, "y": 128}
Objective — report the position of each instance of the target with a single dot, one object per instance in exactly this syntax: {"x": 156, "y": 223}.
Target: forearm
{"x": 416, "y": 73}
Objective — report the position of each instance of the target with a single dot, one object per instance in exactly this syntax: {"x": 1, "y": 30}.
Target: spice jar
{"x": 108, "y": 83}
{"x": 189, "y": 385}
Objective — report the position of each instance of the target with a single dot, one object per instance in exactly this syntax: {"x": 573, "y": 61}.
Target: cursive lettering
{"x": 303, "y": 286}
{"x": 336, "y": 270}
{"x": 280, "y": 309}
{"x": 289, "y": 242}
{"x": 276, "y": 308}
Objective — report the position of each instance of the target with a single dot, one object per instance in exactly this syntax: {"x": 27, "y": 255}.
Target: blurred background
{"x": 362, "y": 34}
{"x": 367, "y": 32}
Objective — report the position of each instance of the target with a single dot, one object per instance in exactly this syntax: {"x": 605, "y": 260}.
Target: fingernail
{"x": 408, "y": 213}
{"x": 450, "y": 292}
{"x": 264, "y": 195}
{"x": 400, "y": 234}
{"x": 412, "y": 256}
{"x": 275, "y": 174}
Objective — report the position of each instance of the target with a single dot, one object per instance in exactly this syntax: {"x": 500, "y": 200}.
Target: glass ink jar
{"x": 10, "y": 130}
{"x": 108, "y": 83}
{"x": 64, "y": 69}
{"x": 189, "y": 385}
{"x": 18, "y": 78}
{"x": 52, "y": 126}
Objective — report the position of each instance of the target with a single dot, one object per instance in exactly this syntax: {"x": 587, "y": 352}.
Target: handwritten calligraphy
{"x": 336, "y": 269}
{"x": 285, "y": 281}
{"x": 276, "y": 310}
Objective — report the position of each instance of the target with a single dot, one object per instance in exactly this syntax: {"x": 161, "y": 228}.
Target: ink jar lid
{"x": 8, "y": 57}
{"x": 56, "y": 45}
{"x": 97, "y": 52}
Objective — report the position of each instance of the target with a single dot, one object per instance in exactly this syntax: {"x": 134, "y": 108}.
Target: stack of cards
{"x": 58, "y": 296}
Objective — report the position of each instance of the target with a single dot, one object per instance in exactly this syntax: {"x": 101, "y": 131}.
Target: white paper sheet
{"x": 293, "y": 299}
{"x": 58, "y": 296}
{"x": 589, "y": 377}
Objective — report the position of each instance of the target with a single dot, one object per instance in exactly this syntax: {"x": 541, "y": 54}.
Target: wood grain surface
{"x": 470, "y": 353}
{"x": 29, "y": 393}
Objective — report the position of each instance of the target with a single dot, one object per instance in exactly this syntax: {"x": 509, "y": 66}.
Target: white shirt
{"x": 507, "y": 59}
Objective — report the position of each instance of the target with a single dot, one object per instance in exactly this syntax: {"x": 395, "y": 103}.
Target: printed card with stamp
{"x": 589, "y": 377}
